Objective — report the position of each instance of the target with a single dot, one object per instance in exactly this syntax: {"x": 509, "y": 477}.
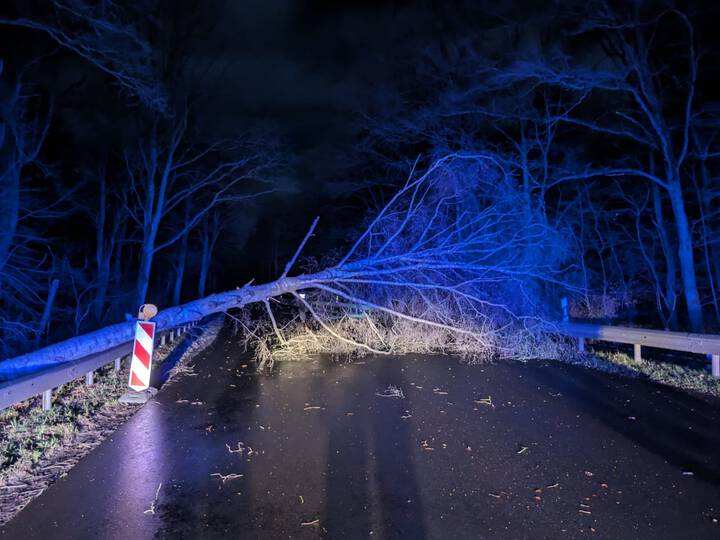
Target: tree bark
{"x": 686, "y": 258}
{"x": 47, "y": 312}
{"x": 9, "y": 207}
{"x": 102, "y": 259}
{"x": 209, "y": 236}
{"x": 670, "y": 261}
{"x": 204, "y": 267}
{"x": 180, "y": 272}
{"x": 143, "y": 279}
{"x": 114, "y": 335}
{"x": 9, "y": 174}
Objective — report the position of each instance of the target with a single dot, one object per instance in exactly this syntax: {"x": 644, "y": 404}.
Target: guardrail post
{"x": 89, "y": 378}
{"x": 118, "y": 363}
{"x": 637, "y": 352}
{"x": 716, "y": 365}
{"x": 47, "y": 400}
{"x": 581, "y": 344}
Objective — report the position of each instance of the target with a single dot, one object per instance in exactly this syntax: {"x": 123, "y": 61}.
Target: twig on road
{"x": 226, "y": 477}
{"x": 153, "y": 504}
{"x": 485, "y": 401}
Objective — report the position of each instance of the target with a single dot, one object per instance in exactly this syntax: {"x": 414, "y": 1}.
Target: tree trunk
{"x": 143, "y": 279}
{"x": 180, "y": 272}
{"x": 103, "y": 278}
{"x": 117, "y": 262}
{"x": 47, "y": 312}
{"x": 705, "y": 200}
{"x": 114, "y": 335}
{"x": 204, "y": 267}
{"x": 715, "y": 251}
{"x": 9, "y": 179}
{"x": 9, "y": 207}
{"x": 101, "y": 257}
{"x": 153, "y": 215}
{"x": 209, "y": 236}
{"x": 670, "y": 262}
{"x": 686, "y": 258}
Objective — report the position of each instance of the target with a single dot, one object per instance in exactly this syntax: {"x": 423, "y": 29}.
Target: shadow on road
{"x": 194, "y": 503}
{"x": 658, "y": 418}
{"x": 347, "y": 497}
{"x": 370, "y": 462}
{"x": 160, "y": 376}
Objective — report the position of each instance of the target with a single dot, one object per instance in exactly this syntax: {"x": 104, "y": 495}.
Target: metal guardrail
{"x": 44, "y": 382}
{"x": 638, "y": 337}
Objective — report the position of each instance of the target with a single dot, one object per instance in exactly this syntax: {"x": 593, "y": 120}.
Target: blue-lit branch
{"x": 422, "y": 258}
{"x": 99, "y": 33}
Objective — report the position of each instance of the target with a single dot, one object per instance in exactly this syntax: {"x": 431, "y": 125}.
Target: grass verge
{"x": 670, "y": 374}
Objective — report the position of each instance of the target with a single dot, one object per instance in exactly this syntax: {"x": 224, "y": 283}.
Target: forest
{"x": 468, "y": 172}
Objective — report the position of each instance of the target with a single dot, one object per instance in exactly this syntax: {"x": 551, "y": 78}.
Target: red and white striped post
{"x": 141, "y": 364}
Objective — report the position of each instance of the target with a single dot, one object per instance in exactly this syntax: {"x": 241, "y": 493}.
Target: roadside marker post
{"x": 141, "y": 358}
{"x": 141, "y": 364}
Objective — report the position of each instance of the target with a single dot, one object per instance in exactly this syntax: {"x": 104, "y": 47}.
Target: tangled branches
{"x": 473, "y": 266}
{"x": 432, "y": 272}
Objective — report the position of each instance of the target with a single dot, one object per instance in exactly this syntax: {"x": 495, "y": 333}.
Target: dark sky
{"x": 310, "y": 67}
{"x": 304, "y": 67}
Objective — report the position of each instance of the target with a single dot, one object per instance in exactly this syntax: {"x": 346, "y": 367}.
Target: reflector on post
{"x": 141, "y": 364}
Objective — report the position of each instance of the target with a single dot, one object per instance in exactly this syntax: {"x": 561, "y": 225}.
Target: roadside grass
{"x": 27, "y": 432}
{"x": 677, "y": 376}
{"x": 684, "y": 377}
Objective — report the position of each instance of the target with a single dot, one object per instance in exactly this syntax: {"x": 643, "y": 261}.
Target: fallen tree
{"x": 426, "y": 258}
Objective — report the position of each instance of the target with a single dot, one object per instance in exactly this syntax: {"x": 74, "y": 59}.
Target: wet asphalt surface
{"x": 562, "y": 452}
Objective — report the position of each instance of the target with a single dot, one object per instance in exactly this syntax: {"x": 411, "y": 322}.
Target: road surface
{"x": 322, "y": 449}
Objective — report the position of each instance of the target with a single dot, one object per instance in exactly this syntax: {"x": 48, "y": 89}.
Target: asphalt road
{"x": 314, "y": 451}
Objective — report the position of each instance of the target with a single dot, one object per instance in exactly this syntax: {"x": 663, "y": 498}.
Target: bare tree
{"x": 100, "y": 33}
{"x": 707, "y": 190}
{"x": 209, "y": 234}
{"x": 545, "y": 108}
{"x": 24, "y": 123}
{"x": 417, "y": 260}
{"x": 167, "y": 172}
{"x": 180, "y": 264}
{"x": 632, "y": 78}
{"x": 109, "y": 219}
